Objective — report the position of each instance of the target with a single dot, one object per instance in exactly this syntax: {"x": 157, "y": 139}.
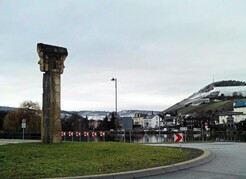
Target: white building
{"x": 240, "y": 106}
{"x": 238, "y": 114}
{"x": 169, "y": 120}
{"x": 152, "y": 121}
{"x": 138, "y": 119}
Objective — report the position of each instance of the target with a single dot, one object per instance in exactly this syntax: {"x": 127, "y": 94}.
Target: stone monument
{"x": 52, "y": 64}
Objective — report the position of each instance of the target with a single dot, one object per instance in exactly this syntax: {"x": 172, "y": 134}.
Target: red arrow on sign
{"x": 86, "y": 134}
{"x": 70, "y": 134}
{"x": 102, "y": 134}
{"x": 78, "y": 134}
{"x": 94, "y": 134}
{"x": 178, "y": 137}
{"x": 63, "y": 134}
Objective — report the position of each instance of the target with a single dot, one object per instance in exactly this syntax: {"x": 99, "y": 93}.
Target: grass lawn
{"x": 206, "y": 107}
{"x": 37, "y": 160}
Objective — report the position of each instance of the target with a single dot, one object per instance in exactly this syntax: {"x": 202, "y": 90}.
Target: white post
{"x": 23, "y": 133}
{"x": 130, "y": 135}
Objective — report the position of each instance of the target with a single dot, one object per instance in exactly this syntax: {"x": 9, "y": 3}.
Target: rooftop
{"x": 239, "y": 104}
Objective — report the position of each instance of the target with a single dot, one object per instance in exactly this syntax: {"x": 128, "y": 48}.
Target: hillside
{"x": 216, "y": 96}
{"x": 96, "y": 115}
{"x": 100, "y": 115}
{"x": 208, "y": 107}
{"x": 7, "y": 108}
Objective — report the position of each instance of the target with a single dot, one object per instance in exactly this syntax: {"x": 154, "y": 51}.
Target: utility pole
{"x": 116, "y": 114}
{"x": 115, "y": 80}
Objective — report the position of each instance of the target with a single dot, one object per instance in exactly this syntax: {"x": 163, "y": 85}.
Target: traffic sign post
{"x": 178, "y": 138}
{"x": 206, "y": 126}
{"x": 63, "y": 134}
{"x": 94, "y": 134}
{"x": 102, "y": 134}
{"x": 86, "y": 134}
{"x": 130, "y": 132}
{"x": 124, "y": 136}
{"x": 70, "y": 135}
{"x": 23, "y": 126}
{"x": 185, "y": 130}
{"x": 78, "y": 134}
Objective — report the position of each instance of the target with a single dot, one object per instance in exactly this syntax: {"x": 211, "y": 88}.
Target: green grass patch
{"x": 37, "y": 160}
{"x": 212, "y": 106}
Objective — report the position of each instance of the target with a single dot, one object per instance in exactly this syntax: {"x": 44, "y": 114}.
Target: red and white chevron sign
{"x": 102, "y": 134}
{"x": 70, "y": 134}
{"x": 78, "y": 134}
{"x": 94, "y": 134}
{"x": 86, "y": 134}
{"x": 63, "y": 134}
{"x": 178, "y": 137}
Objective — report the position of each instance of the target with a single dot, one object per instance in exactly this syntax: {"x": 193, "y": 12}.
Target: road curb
{"x": 204, "y": 158}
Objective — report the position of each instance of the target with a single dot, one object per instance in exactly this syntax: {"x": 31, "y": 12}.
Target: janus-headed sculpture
{"x": 52, "y": 64}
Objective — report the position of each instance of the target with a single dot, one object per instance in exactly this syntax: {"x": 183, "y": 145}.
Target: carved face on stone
{"x": 43, "y": 62}
{"x": 56, "y": 63}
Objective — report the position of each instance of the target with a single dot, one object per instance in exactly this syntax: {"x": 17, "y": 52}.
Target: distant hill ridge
{"x": 7, "y": 108}
{"x": 229, "y": 83}
{"x": 97, "y": 115}
{"x": 220, "y": 90}
{"x": 224, "y": 83}
{"x": 124, "y": 113}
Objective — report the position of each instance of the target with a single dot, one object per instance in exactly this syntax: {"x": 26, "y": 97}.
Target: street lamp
{"x": 115, "y": 80}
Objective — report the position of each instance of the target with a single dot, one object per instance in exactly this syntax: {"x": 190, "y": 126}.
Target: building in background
{"x": 127, "y": 123}
{"x": 152, "y": 121}
{"x": 238, "y": 114}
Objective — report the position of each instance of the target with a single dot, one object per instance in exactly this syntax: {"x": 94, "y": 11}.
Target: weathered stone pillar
{"x": 52, "y": 64}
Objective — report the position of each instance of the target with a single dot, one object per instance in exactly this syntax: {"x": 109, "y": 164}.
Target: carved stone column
{"x": 52, "y": 64}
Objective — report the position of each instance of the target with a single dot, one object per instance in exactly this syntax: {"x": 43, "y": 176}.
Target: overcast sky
{"x": 161, "y": 51}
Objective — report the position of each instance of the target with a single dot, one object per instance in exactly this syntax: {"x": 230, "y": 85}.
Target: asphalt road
{"x": 15, "y": 141}
{"x": 229, "y": 162}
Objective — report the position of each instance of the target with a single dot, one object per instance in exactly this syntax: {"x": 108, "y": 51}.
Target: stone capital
{"x": 51, "y": 58}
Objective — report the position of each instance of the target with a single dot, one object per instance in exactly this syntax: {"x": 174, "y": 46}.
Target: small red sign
{"x": 70, "y": 134}
{"x": 86, "y": 134}
{"x": 23, "y": 120}
{"x": 63, "y": 134}
{"x": 94, "y": 134}
{"x": 102, "y": 134}
{"x": 178, "y": 137}
{"x": 78, "y": 134}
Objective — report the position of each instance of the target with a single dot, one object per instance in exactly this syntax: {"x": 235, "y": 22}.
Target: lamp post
{"x": 115, "y": 80}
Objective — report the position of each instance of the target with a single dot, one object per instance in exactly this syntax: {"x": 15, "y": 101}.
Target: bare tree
{"x": 30, "y": 111}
